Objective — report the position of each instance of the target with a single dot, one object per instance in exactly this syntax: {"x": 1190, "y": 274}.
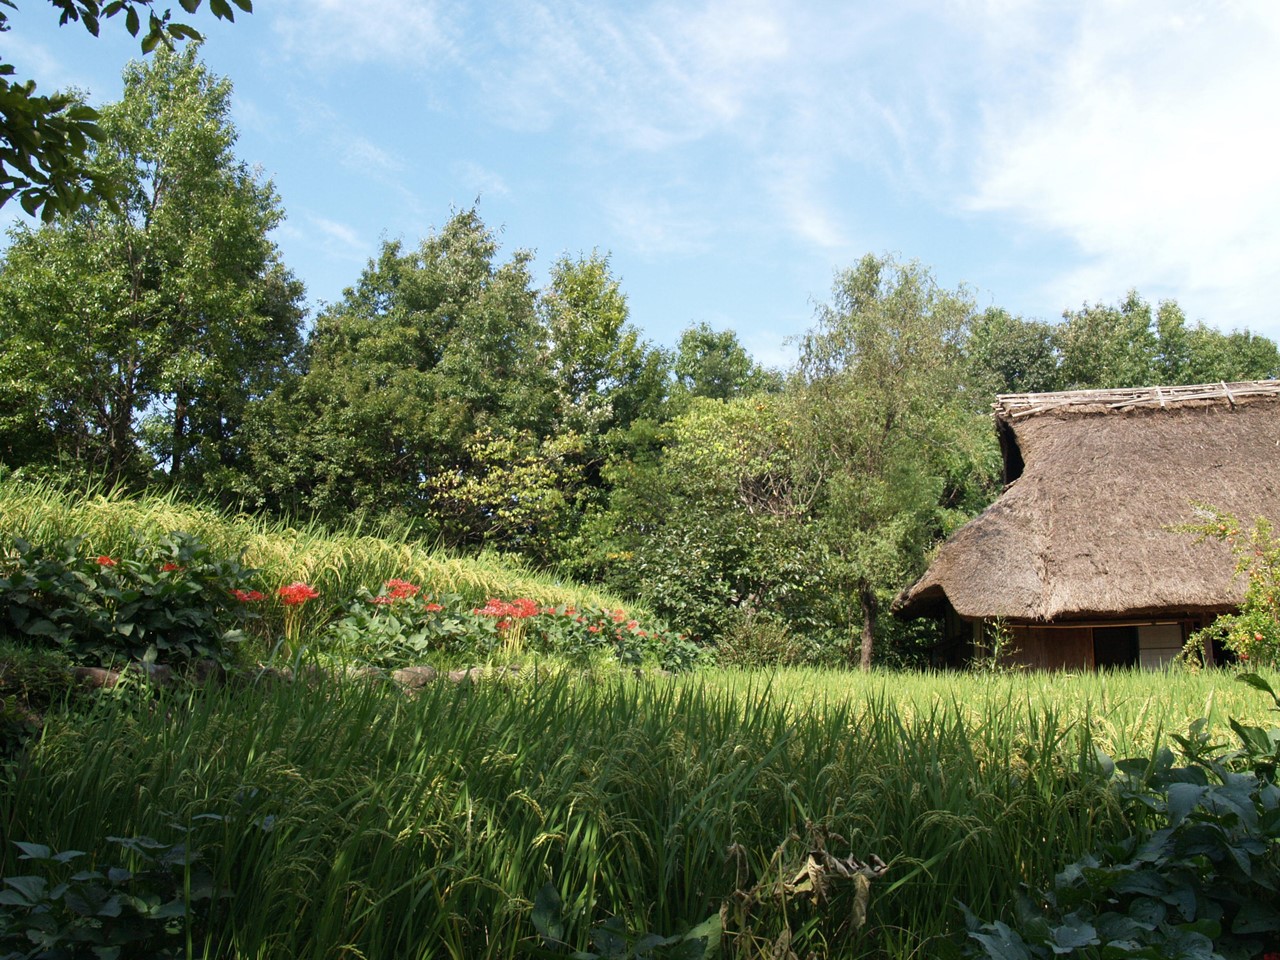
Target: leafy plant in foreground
{"x": 1198, "y": 878}
{"x": 63, "y": 910}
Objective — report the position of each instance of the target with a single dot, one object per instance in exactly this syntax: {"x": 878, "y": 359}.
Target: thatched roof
{"x": 1098, "y": 479}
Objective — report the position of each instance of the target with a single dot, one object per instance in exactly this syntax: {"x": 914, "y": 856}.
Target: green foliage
{"x": 514, "y": 490}
{"x": 401, "y": 626}
{"x": 605, "y": 377}
{"x": 1126, "y": 346}
{"x": 171, "y": 602}
{"x": 167, "y": 307}
{"x": 1010, "y": 354}
{"x": 714, "y": 364}
{"x": 611, "y": 940}
{"x": 155, "y": 907}
{"x": 430, "y": 348}
{"x": 45, "y": 141}
{"x": 883, "y": 409}
{"x": 711, "y": 524}
{"x": 1198, "y": 876}
{"x": 1252, "y": 633}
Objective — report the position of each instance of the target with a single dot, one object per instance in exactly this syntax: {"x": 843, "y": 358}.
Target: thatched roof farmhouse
{"x": 1079, "y": 557}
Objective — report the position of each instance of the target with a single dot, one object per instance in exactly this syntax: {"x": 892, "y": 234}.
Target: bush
{"x": 1197, "y": 878}
{"x": 1252, "y": 634}
{"x": 172, "y": 602}
{"x": 401, "y": 626}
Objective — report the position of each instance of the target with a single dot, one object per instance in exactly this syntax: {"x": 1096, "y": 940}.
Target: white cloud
{"x": 332, "y": 32}
{"x": 480, "y": 181}
{"x": 652, "y": 226}
{"x": 1149, "y": 142}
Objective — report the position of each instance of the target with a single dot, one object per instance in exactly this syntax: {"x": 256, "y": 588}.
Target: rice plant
{"x": 345, "y": 819}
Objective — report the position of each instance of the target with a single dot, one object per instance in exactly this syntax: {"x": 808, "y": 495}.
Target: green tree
{"x": 707, "y": 524}
{"x": 883, "y": 413}
{"x": 45, "y": 140}
{"x": 1127, "y": 346}
{"x": 713, "y": 363}
{"x": 1105, "y": 346}
{"x": 430, "y": 348}
{"x": 167, "y": 307}
{"x": 605, "y": 377}
{"x": 1008, "y": 354}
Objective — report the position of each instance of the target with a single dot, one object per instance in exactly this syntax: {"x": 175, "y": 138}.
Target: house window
{"x": 1115, "y": 647}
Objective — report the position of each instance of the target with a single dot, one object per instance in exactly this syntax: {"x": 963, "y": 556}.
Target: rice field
{"x": 345, "y": 819}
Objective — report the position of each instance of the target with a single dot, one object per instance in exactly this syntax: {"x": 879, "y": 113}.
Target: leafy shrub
{"x": 1198, "y": 878}
{"x": 67, "y": 911}
{"x": 402, "y": 625}
{"x": 172, "y": 602}
{"x": 1253, "y": 633}
{"x": 398, "y": 628}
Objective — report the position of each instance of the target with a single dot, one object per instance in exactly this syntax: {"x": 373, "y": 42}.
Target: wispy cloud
{"x": 336, "y": 32}
{"x": 1147, "y": 141}
{"x": 653, "y": 226}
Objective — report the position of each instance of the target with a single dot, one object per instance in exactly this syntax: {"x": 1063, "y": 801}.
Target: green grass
{"x": 349, "y": 820}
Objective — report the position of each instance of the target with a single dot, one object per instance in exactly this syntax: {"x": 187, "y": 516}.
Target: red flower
{"x": 432, "y": 607}
{"x": 169, "y": 567}
{"x": 619, "y": 616}
{"x": 247, "y": 596}
{"x": 401, "y": 589}
{"x": 105, "y": 561}
{"x": 383, "y": 601}
{"x": 296, "y": 593}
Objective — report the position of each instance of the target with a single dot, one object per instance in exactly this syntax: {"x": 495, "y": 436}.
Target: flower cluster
{"x": 508, "y": 613}
{"x": 296, "y": 594}
{"x": 395, "y": 590}
{"x": 248, "y": 596}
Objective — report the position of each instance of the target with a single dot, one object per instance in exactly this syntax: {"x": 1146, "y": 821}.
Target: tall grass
{"x": 336, "y": 563}
{"x": 349, "y": 820}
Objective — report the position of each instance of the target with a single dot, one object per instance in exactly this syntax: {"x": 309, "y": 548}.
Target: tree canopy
{"x": 45, "y": 140}
{"x": 137, "y": 331}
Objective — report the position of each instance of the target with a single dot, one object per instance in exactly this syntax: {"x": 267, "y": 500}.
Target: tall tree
{"x": 606, "y": 377}
{"x": 882, "y": 410}
{"x": 168, "y": 306}
{"x": 429, "y": 349}
{"x": 45, "y": 140}
{"x": 714, "y": 363}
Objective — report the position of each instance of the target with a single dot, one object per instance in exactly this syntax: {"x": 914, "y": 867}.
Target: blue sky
{"x": 732, "y": 156}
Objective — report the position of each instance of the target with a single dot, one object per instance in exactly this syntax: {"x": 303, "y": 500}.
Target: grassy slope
{"x": 337, "y": 564}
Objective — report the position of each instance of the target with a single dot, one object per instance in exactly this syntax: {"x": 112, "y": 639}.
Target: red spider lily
{"x": 401, "y": 589}
{"x": 382, "y": 601}
{"x": 516, "y": 610}
{"x": 248, "y": 596}
{"x": 105, "y": 561}
{"x": 169, "y": 567}
{"x": 619, "y": 616}
{"x": 296, "y": 594}
{"x": 432, "y": 607}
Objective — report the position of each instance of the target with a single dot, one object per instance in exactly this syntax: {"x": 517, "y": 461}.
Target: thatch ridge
{"x": 1087, "y": 530}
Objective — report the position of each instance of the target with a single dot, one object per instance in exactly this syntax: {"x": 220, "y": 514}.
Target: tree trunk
{"x": 179, "y": 439}
{"x": 867, "y": 600}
